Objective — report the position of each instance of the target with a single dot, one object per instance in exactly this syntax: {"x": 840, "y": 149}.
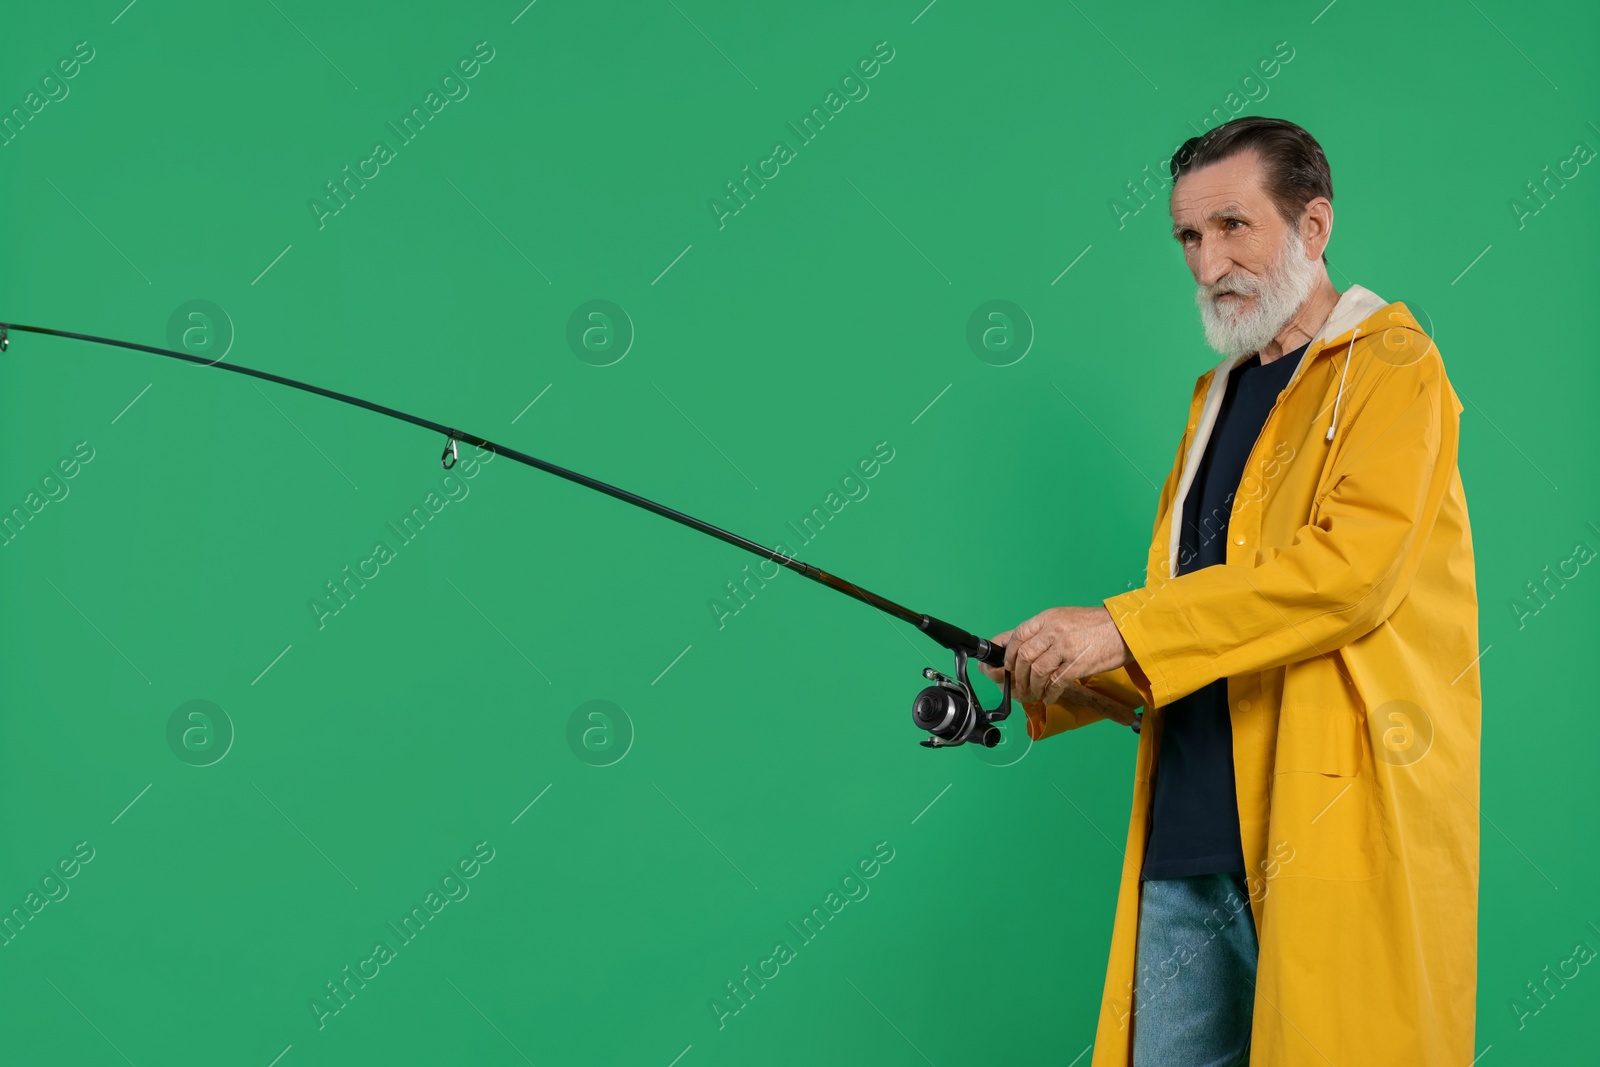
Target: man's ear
{"x": 1316, "y": 225}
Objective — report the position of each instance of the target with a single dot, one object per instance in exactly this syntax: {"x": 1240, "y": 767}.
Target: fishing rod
{"x": 949, "y": 710}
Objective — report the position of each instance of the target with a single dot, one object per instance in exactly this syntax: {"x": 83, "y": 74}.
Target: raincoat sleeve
{"x": 1344, "y": 572}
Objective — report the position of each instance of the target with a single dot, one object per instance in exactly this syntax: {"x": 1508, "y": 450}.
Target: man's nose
{"x": 1211, "y": 265}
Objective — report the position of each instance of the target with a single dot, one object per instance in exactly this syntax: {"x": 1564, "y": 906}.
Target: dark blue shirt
{"x": 1194, "y": 826}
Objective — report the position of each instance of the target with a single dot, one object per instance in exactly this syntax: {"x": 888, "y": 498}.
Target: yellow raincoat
{"x": 1345, "y": 620}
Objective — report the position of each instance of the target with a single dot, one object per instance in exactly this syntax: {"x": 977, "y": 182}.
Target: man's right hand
{"x": 1072, "y": 695}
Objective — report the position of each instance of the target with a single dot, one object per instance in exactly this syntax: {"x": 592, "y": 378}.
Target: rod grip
{"x": 953, "y": 637}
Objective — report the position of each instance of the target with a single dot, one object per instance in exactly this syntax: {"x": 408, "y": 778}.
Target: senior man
{"x": 1301, "y": 875}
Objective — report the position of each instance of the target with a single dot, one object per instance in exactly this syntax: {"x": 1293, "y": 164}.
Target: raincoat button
{"x": 1244, "y": 705}
{"x": 1238, "y": 540}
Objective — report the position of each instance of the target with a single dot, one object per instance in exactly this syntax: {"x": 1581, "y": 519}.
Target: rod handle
{"x": 953, "y": 637}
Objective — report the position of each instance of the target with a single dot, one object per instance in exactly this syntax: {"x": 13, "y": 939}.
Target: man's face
{"x": 1251, "y": 269}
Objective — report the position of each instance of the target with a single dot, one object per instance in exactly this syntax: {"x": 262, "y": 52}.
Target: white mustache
{"x": 1242, "y": 288}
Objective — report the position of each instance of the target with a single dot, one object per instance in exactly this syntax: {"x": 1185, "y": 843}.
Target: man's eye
{"x": 1234, "y": 222}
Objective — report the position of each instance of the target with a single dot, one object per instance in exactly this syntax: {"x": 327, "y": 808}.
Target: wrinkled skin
{"x": 1045, "y": 654}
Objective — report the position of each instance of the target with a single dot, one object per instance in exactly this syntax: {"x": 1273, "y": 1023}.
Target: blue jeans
{"x": 1196, "y": 968}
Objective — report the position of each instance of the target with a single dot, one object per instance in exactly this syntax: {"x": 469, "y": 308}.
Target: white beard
{"x": 1279, "y": 294}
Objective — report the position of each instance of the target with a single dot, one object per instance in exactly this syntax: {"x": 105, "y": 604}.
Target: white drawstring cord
{"x": 1340, "y": 394}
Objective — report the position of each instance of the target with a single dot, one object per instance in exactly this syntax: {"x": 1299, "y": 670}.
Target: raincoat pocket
{"x": 1324, "y": 806}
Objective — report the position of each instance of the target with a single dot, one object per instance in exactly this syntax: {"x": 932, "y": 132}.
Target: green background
{"x": 771, "y": 754}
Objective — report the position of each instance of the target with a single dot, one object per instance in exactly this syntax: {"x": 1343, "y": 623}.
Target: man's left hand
{"x": 1048, "y": 652}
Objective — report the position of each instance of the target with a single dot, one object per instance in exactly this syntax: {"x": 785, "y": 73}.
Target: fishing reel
{"x": 952, "y": 712}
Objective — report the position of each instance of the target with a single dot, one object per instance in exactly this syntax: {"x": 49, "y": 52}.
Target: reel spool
{"x": 952, "y": 712}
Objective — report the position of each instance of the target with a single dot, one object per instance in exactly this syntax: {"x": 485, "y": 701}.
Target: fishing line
{"x": 949, "y": 710}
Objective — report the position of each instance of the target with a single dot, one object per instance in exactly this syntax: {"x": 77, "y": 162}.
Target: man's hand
{"x": 1048, "y": 652}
